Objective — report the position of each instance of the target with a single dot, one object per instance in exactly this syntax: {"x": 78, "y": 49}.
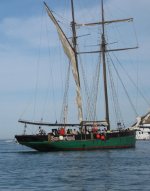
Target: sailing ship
{"x": 85, "y": 134}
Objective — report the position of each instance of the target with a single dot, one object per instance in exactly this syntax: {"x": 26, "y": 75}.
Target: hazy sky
{"x": 20, "y": 39}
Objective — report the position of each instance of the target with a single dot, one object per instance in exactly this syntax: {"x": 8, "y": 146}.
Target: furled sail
{"x": 69, "y": 51}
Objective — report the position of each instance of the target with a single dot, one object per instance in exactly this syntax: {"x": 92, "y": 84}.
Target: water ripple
{"x": 109, "y": 170}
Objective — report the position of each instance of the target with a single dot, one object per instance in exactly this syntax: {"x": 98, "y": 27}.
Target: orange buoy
{"x": 103, "y": 137}
{"x": 98, "y": 136}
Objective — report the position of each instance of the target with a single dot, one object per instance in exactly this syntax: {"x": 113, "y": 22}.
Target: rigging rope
{"x": 117, "y": 110}
{"x": 37, "y": 71}
{"x": 51, "y": 73}
{"x": 96, "y": 79}
{"x": 132, "y": 105}
{"x": 95, "y": 94}
{"x": 134, "y": 84}
{"x": 88, "y": 113}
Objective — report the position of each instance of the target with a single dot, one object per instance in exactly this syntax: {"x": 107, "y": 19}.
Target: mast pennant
{"x": 69, "y": 51}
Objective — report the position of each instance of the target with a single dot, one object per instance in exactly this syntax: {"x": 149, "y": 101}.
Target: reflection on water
{"x": 25, "y": 169}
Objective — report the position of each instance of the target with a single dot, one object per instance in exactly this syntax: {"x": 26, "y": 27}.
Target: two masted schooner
{"x": 86, "y": 134}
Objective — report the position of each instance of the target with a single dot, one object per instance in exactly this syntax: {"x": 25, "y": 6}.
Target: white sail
{"x": 69, "y": 51}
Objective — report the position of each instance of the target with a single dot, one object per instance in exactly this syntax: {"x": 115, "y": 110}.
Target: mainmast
{"x": 103, "y": 49}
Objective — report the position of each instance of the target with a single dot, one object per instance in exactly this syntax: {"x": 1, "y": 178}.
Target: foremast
{"x": 103, "y": 49}
{"x": 74, "y": 42}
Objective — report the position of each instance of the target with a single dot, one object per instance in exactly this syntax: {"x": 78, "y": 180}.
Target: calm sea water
{"x": 24, "y": 169}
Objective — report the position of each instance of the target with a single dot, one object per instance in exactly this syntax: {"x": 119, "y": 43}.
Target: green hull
{"x": 73, "y": 145}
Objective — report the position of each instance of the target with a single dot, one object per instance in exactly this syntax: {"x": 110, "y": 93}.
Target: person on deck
{"x": 62, "y": 131}
{"x": 41, "y": 131}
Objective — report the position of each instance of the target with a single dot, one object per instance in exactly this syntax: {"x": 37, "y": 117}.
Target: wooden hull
{"x": 112, "y": 141}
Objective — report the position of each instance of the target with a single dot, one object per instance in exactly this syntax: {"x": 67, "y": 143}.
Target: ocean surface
{"x": 24, "y": 169}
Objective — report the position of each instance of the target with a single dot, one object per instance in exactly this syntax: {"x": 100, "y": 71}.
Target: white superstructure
{"x": 143, "y": 132}
{"x": 142, "y": 127}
